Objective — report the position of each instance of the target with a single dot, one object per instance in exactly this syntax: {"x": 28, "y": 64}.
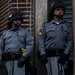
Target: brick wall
{"x": 24, "y": 5}
{"x": 5, "y": 6}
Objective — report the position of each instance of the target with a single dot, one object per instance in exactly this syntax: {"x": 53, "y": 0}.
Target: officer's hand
{"x": 21, "y": 62}
{"x": 63, "y": 58}
{"x": 1, "y": 64}
{"x": 44, "y": 59}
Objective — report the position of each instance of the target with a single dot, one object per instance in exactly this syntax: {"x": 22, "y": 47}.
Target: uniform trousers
{"x": 54, "y": 68}
{"x": 13, "y": 69}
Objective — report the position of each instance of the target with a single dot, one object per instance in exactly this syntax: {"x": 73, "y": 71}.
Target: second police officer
{"x": 16, "y": 44}
{"x": 55, "y": 40}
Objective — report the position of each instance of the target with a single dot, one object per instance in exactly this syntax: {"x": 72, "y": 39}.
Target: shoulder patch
{"x": 42, "y": 27}
{"x": 40, "y": 33}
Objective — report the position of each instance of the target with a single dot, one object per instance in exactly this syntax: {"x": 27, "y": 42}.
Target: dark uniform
{"x": 55, "y": 39}
{"x": 12, "y": 42}
{"x": 55, "y": 43}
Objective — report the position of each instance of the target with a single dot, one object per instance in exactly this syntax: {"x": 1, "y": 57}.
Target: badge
{"x": 40, "y": 33}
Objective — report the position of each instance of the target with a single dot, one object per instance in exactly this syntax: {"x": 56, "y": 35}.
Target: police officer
{"x": 16, "y": 44}
{"x": 55, "y": 40}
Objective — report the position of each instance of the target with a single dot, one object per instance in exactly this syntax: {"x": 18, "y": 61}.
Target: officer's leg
{"x": 13, "y": 69}
{"x": 68, "y": 68}
{"x": 53, "y": 68}
{"x": 9, "y": 65}
{"x": 48, "y": 67}
{"x": 3, "y": 70}
{"x": 17, "y": 70}
{"x": 57, "y": 69}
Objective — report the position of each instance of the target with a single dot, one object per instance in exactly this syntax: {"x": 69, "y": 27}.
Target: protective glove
{"x": 21, "y": 62}
{"x": 44, "y": 59}
{"x": 63, "y": 58}
{"x": 1, "y": 64}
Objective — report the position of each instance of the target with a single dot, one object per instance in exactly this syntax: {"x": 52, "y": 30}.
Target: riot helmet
{"x": 53, "y": 6}
{"x": 14, "y": 15}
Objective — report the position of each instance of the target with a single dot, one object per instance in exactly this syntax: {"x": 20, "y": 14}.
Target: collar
{"x": 53, "y": 22}
{"x": 15, "y": 29}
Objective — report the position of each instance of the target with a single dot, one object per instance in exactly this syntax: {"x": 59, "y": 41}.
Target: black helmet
{"x": 57, "y": 4}
{"x": 53, "y": 6}
{"x": 15, "y": 14}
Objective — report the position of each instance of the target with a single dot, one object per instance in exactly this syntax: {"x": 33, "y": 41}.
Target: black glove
{"x": 44, "y": 59}
{"x": 1, "y": 64}
{"x": 21, "y": 62}
{"x": 63, "y": 58}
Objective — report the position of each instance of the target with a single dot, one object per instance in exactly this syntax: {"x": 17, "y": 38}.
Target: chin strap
{"x": 17, "y": 25}
{"x": 59, "y": 16}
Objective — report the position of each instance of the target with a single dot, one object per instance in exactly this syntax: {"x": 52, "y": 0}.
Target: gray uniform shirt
{"x": 54, "y": 36}
{"x": 12, "y": 40}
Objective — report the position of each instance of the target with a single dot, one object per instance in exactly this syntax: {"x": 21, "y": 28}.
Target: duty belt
{"x": 54, "y": 52}
{"x": 7, "y": 56}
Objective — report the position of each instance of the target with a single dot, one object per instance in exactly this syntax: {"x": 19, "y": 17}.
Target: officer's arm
{"x": 69, "y": 41}
{"x": 29, "y": 44}
{"x": 2, "y": 45}
{"x": 41, "y": 41}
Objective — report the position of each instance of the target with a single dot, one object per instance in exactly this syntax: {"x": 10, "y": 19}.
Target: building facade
{"x": 6, "y": 6}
